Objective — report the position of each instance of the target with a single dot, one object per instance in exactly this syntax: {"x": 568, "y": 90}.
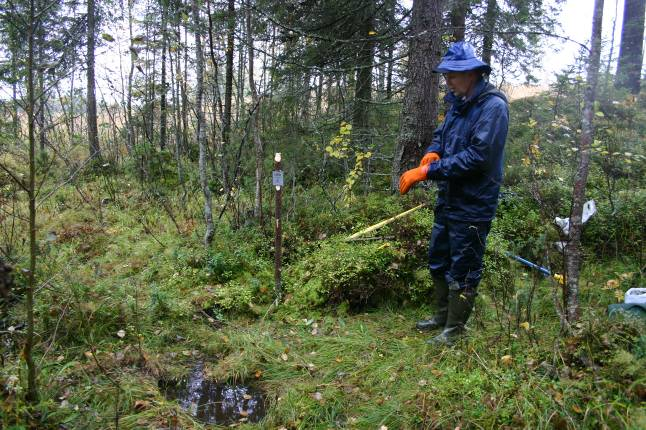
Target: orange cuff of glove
{"x": 411, "y": 177}
{"x": 429, "y": 158}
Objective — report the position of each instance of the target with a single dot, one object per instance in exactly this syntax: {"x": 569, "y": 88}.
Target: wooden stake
{"x": 277, "y": 179}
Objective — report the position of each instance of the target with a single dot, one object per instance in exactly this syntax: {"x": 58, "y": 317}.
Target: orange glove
{"x": 411, "y": 177}
{"x": 429, "y": 158}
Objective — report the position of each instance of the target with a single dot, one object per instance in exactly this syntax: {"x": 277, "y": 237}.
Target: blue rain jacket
{"x": 471, "y": 143}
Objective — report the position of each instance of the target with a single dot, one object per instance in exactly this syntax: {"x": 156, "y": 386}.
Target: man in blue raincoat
{"x": 466, "y": 160}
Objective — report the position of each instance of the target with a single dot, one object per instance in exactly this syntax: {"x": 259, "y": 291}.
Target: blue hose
{"x": 545, "y": 271}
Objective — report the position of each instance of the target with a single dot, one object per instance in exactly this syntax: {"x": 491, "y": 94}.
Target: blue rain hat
{"x": 461, "y": 57}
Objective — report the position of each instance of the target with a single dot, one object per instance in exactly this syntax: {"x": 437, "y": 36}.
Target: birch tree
{"x": 573, "y": 248}
{"x": 201, "y": 126}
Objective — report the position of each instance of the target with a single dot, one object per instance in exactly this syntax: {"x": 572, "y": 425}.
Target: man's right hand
{"x": 429, "y": 158}
{"x": 411, "y": 177}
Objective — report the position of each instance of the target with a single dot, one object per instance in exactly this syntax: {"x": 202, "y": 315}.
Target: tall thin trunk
{"x": 201, "y": 126}
{"x": 255, "y": 121}
{"x": 421, "y": 106}
{"x": 14, "y": 90}
{"x": 573, "y": 247}
{"x": 174, "y": 84}
{"x": 129, "y": 126}
{"x": 240, "y": 81}
{"x": 163, "y": 89}
{"x": 42, "y": 137}
{"x": 631, "y": 50}
{"x": 92, "y": 128}
{"x": 228, "y": 91}
{"x": 319, "y": 93}
{"x": 216, "y": 69}
{"x": 32, "y": 389}
{"x": 612, "y": 42}
{"x": 185, "y": 94}
{"x": 389, "y": 72}
{"x": 489, "y": 28}
{"x": 363, "y": 82}
{"x": 72, "y": 110}
{"x": 458, "y": 18}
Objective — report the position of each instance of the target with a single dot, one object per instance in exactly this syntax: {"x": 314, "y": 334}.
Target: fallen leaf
{"x": 88, "y": 354}
{"x": 436, "y": 372}
{"x": 577, "y": 409}
{"x": 244, "y": 413}
{"x": 422, "y": 382}
{"x": 121, "y": 333}
{"x": 612, "y": 283}
{"x": 141, "y": 405}
{"x": 284, "y": 357}
{"x": 525, "y": 326}
{"x": 186, "y": 353}
{"x": 338, "y": 359}
{"x": 258, "y": 374}
{"x": 506, "y": 360}
{"x": 247, "y": 397}
{"x": 383, "y": 428}
{"x": 317, "y": 396}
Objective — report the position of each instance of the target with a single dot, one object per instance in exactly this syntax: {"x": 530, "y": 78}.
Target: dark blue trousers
{"x": 456, "y": 250}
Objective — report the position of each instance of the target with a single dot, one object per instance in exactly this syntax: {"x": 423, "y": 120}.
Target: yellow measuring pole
{"x": 384, "y": 222}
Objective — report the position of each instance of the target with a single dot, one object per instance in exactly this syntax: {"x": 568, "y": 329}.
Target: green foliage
{"x": 339, "y": 271}
{"x": 619, "y": 230}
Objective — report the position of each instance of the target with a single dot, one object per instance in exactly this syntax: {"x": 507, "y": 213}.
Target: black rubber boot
{"x": 460, "y": 306}
{"x": 441, "y": 296}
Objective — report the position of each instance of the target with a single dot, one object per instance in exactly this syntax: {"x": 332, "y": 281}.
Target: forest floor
{"x": 126, "y": 309}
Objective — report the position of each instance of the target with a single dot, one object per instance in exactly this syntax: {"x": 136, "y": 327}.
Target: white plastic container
{"x": 635, "y": 296}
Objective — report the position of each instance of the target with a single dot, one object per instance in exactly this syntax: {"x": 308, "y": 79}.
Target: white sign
{"x": 277, "y": 177}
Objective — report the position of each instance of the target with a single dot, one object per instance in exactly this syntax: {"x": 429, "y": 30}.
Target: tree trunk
{"x": 201, "y": 126}
{"x": 177, "y": 120}
{"x": 489, "y": 28}
{"x": 129, "y": 126}
{"x": 163, "y": 89}
{"x": 185, "y": 94}
{"x": 32, "y": 389}
{"x": 92, "y": 128}
{"x": 573, "y": 248}
{"x": 228, "y": 92}
{"x": 459, "y": 10}
{"x": 363, "y": 81}
{"x": 631, "y": 49}
{"x": 421, "y": 99}
{"x": 254, "y": 123}
{"x": 14, "y": 91}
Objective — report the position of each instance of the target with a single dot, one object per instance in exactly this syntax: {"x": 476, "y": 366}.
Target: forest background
{"x": 138, "y": 215}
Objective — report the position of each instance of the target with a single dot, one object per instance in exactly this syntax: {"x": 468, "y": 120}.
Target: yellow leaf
{"x": 338, "y": 359}
{"x": 506, "y": 360}
{"x": 525, "y": 326}
{"x": 619, "y": 295}
{"x": 612, "y": 283}
{"x": 372, "y": 33}
{"x": 577, "y": 409}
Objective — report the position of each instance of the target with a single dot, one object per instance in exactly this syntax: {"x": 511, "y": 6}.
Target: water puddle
{"x": 214, "y": 403}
